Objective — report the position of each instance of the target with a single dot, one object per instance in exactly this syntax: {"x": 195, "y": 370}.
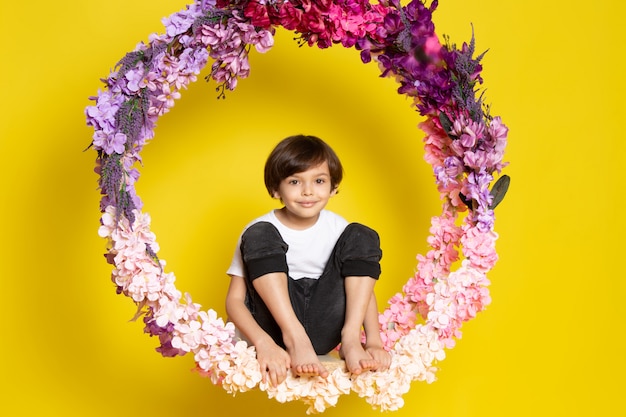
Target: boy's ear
{"x": 334, "y": 191}
{"x": 276, "y": 194}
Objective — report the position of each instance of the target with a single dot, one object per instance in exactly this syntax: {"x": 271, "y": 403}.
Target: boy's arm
{"x": 239, "y": 314}
{"x": 272, "y": 358}
{"x": 371, "y": 326}
{"x": 373, "y": 341}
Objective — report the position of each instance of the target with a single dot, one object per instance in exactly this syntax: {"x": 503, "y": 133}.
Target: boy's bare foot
{"x": 380, "y": 355}
{"x": 304, "y": 360}
{"x": 356, "y": 358}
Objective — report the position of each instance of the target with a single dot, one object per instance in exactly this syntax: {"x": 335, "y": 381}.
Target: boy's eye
{"x": 320, "y": 181}
{"x": 293, "y": 182}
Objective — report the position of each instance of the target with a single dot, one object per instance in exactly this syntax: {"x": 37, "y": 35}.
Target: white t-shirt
{"x": 308, "y": 250}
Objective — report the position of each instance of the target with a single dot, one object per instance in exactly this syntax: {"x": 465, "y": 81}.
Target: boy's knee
{"x": 361, "y": 251}
{"x": 358, "y": 231}
{"x": 263, "y": 250}
{"x": 262, "y": 238}
{"x": 260, "y": 231}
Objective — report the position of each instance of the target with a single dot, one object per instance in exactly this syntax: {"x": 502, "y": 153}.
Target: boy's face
{"x": 305, "y": 194}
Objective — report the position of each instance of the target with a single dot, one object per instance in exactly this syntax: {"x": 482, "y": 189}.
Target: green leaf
{"x": 467, "y": 201}
{"x": 446, "y": 123}
{"x": 499, "y": 190}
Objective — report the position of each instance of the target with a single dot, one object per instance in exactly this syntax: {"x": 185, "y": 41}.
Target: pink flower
{"x": 499, "y": 132}
{"x": 187, "y": 336}
{"x": 435, "y": 142}
{"x": 432, "y": 47}
{"x": 479, "y": 247}
{"x": 397, "y": 320}
{"x": 213, "y": 35}
{"x": 262, "y": 40}
{"x": 168, "y": 96}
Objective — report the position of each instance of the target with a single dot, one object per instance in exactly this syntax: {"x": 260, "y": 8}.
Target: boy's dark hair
{"x": 297, "y": 154}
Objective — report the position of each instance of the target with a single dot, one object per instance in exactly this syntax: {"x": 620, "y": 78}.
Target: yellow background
{"x": 551, "y": 343}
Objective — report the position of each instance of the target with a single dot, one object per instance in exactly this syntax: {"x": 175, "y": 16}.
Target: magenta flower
{"x": 257, "y": 13}
{"x": 289, "y": 16}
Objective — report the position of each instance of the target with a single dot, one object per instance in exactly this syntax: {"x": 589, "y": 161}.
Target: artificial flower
{"x": 463, "y": 144}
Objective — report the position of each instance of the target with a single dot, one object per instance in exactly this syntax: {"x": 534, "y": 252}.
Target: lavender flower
{"x": 465, "y": 70}
{"x": 411, "y": 52}
{"x": 131, "y": 117}
{"x": 130, "y": 61}
{"x": 111, "y": 175}
{"x": 113, "y": 185}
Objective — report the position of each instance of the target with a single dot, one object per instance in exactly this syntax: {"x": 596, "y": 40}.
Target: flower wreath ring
{"x": 463, "y": 143}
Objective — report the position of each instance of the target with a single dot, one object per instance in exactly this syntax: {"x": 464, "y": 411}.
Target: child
{"x": 302, "y": 278}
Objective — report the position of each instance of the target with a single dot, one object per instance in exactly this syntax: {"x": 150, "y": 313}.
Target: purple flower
{"x": 468, "y": 140}
{"x": 411, "y": 53}
{"x": 477, "y": 187}
{"x": 476, "y": 159}
{"x": 193, "y": 60}
{"x": 115, "y": 144}
{"x": 180, "y": 22}
{"x": 102, "y": 115}
{"x": 498, "y": 131}
{"x": 207, "y": 4}
{"x": 448, "y": 173}
{"x": 454, "y": 166}
{"x": 135, "y": 78}
{"x": 484, "y": 219}
{"x": 466, "y": 72}
{"x": 109, "y": 143}
{"x": 163, "y": 333}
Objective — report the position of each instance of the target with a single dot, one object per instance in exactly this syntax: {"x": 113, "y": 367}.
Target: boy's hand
{"x": 274, "y": 362}
{"x": 380, "y": 355}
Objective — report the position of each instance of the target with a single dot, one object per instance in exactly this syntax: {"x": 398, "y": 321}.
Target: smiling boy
{"x": 302, "y": 278}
